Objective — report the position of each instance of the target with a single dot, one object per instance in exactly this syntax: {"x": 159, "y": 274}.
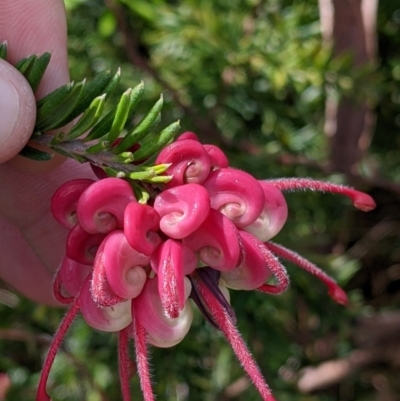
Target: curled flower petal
{"x": 235, "y": 194}
{"x": 217, "y": 241}
{"x": 182, "y": 209}
{"x": 124, "y": 266}
{"x": 190, "y": 162}
{"x": 162, "y": 331}
{"x": 82, "y": 246}
{"x": 218, "y": 158}
{"x": 274, "y": 215}
{"x": 188, "y": 135}
{"x": 360, "y": 200}
{"x": 101, "y": 206}
{"x": 110, "y": 318}
{"x": 172, "y": 261}
{"x": 65, "y": 200}
{"x": 253, "y": 271}
{"x": 140, "y": 225}
{"x": 70, "y": 276}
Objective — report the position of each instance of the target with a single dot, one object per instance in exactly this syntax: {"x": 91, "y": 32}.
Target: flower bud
{"x": 140, "y": 225}
{"x": 273, "y": 216}
{"x": 65, "y": 200}
{"x": 190, "y": 162}
{"x": 217, "y": 241}
{"x": 162, "y": 331}
{"x": 182, "y": 209}
{"x": 101, "y": 206}
{"x": 172, "y": 262}
{"x": 236, "y": 194}
{"x": 253, "y": 271}
{"x": 124, "y": 266}
{"x": 82, "y": 246}
{"x": 110, "y": 318}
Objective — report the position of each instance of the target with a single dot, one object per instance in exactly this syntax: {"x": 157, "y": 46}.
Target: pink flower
{"x": 131, "y": 267}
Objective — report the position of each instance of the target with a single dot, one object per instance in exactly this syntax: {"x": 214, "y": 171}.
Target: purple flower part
{"x": 82, "y": 246}
{"x": 210, "y": 278}
{"x": 110, "y": 318}
{"x": 253, "y": 271}
{"x": 190, "y": 163}
{"x": 182, "y": 209}
{"x": 172, "y": 262}
{"x": 162, "y": 331}
{"x": 217, "y": 157}
{"x": 360, "y": 200}
{"x": 70, "y": 276}
{"x": 101, "y": 206}
{"x": 188, "y": 135}
{"x": 65, "y": 200}
{"x": 124, "y": 266}
{"x": 140, "y": 225}
{"x": 235, "y": 194}
{"x": 217, "y": 241}
{"x": 273, "y": 216}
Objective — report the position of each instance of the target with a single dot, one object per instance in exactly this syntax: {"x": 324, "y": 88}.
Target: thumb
{"x": 17, "y": 111}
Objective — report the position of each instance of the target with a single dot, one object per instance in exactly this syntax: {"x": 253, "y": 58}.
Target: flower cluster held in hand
{"x": 136, "y": 254}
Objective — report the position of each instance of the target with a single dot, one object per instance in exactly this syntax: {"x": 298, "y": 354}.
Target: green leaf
{"x": 90, "y": 91}
{"x": 98, "y": 147}
{"x": 23, "y": 65}
{"x": 89, "y": 118}
{"x": 144, "y": 126}
{"x": 112, "y": 84}
{"x": 121, "y": 115}
{"x": 35, "y": 72}
{"x": 153, "y": 146}
{"x": 3, "y": 50}
{"x": 141, "y": 8}
{"x": 58, "y": 114}
{"x": 35, "y": 154}
{"x": 102, "y": 127}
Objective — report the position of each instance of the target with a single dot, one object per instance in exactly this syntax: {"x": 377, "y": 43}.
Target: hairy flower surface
{"x": 137, "y": 265}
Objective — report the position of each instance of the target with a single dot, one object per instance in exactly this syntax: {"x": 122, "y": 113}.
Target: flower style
{"x": 133, "y": 265}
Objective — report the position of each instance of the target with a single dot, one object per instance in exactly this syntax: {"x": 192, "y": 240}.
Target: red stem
{"x": 41, "y": 394}
{"x": 278, "y": 270}
{"x": 237, "y": 343}
{"x": 142, "y": 362}
{"x": 334, "y": 290}
{"x": 124, "y": 364}
{"x": 57, "y": 291}
{"x": 360, "y": 200}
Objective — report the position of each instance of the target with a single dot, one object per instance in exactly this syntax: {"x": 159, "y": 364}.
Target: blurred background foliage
{"x": 252, "y": 76}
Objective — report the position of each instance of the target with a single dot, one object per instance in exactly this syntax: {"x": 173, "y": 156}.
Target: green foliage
{"x": 258, "y": 75}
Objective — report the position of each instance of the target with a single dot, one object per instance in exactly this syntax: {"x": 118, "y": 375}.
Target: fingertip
{"x": 17, "y": 111}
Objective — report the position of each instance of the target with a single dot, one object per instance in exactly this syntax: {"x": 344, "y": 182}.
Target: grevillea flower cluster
{"x": 135, "y": 259}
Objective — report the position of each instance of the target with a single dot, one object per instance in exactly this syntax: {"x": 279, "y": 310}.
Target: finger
{"x": 34, "y": 27}
{"x": 17, "y": 111}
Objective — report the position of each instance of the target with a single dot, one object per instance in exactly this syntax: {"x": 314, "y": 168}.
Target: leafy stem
{"x": 99, "y": 138}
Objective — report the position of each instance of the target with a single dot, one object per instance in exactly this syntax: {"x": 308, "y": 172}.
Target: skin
{"x": 32, "y": 244}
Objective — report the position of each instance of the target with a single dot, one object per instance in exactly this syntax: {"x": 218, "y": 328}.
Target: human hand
{"x": 32, "y": 243}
